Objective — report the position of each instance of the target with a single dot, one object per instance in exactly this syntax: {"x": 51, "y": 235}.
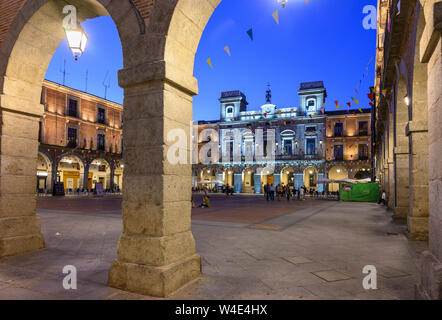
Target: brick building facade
{"x": 80, "y": 140}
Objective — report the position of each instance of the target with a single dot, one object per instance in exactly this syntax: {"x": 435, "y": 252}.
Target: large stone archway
{"x": 156, "y": 252}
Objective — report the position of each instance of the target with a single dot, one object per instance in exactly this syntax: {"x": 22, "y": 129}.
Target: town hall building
{"x": 304, "y": 153}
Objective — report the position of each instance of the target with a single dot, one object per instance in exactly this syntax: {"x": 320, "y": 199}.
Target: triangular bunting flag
{"x": 227, "y": 49}
{"x": 276, "y": 16}
{"x": 210, "y": 63}
{"x": 250, "y": 33}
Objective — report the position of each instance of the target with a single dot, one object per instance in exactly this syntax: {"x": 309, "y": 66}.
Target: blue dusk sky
{"x": 324, "y": 40}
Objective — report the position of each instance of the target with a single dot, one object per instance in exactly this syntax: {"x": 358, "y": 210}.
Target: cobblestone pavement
{"x": 250, "y": 249}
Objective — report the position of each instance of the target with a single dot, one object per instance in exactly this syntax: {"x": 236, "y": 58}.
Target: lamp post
{"x": 77, "y": 40}
{"x": 283, "y": 2}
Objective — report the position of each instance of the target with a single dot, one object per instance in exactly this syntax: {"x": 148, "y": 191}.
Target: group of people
{"x": 283, "y": 191}
{"x": 205, "y": 203}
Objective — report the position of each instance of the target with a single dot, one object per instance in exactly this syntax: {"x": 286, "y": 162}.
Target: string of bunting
{"x": 250, "y": 33}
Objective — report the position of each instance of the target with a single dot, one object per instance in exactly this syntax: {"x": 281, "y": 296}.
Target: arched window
{"x": 288, "y": 139}
{"x": 229, "y": 111}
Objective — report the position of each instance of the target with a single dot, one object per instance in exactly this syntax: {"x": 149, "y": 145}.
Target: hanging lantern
{"x": 77, "y": 40}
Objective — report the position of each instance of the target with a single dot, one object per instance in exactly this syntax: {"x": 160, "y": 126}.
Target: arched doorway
{"x": 229, "y": 177}
{"x": 288, "y": 177}
{"x": 44, "y": 174}
{"x": 248, "y": 177}
{"x": 336, "y": 173}
{"x": 118, "y": 175}
{"x": 267, "y": 177}
{"x": 70, "y": 171}
{"x": 99, "y": 172}
{"x": 310, "y": 176}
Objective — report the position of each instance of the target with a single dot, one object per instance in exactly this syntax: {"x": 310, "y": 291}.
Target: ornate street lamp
{"x": 283, "y": 2}
{"x": 77, "y": 40}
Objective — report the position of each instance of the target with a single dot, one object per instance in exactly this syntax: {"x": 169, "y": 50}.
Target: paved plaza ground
{"x": 250, "y": 248}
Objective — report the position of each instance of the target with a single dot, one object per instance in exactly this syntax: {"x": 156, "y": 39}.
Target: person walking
{"x": 384, "y": 198}
{"x": 288, "y": 193}
{"x": 301, "y": 193}
{"x": 272, "y": 192}
{"x": 266, "y": 192}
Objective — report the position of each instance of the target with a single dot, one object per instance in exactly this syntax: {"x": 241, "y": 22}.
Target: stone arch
{"x": 44, "y": 172}
{"x": 288, "y": 176}
{"x": 158, "y": 80}
{"x": 401, "y": 144}
{"x": 71, "y": 171}
{"x": 336, "y": 173}
{"x": 97, "y": 175}
{"x": 311, "y": 175}
{"x": 417, "y": 132}
{"x": 248, "y": 180}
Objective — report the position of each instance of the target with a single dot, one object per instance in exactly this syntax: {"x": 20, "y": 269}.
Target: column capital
{"x": 157, "y": 71}
{"x": 432, "y": 31}
{"x": 401, "y": 150}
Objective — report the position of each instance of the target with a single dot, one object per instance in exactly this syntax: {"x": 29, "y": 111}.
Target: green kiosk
{"x": 359, "y": 192}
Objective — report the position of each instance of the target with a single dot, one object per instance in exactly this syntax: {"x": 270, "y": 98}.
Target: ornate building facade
{"x": 80, "y": 140}
{"x": 408, "y": 99}
{"x": 308, "y": 147}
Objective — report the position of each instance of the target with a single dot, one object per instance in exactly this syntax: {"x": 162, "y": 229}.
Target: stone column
{"x": 277, "y": 179}
{"x": 87, "y": 166}
{"x": 321, "y": 185}
{"x": 401, "y": 154}
{"x": 401, "y": 183}
{"x": 257, "y": 178}
{"x": 391, "y": 186}
{"x": 418, "y": 214}
{"x": 156, "y": 252}
{"x": 54, "y": 174}
{"x": 19, "y": 225}
{"x": 237, "y": 181}
{"x": 430, "y": 286}
{"x": 112, "y": 176}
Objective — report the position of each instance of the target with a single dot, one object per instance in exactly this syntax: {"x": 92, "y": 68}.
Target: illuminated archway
{"x": 336, "y": 173}
{"x": 310, "y": 176}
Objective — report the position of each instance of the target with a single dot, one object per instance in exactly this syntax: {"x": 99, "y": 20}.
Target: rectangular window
{"x": 363, "y": 152}
{"x": 288, "y": 149}
{"x": 72, "y": 138}
{"x": 73, "y": 108}
{"x": 40, "y": 132}
{"x": 101, "y": 116}
{"x": 311, "y": 146}
{"x": 363, "y": 128}
{"x": 339, "y": 130}
{"x": 101, "y": 142}
{"x": 339, "y": 152}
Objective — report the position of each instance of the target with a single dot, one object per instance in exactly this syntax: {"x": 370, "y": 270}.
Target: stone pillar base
{"x": 401, "y": 213}
{"x": 417, "y": 228}
{"x": 154, "y": 281}
{"x": 430, "y": 287}
{"x": 20, "y": 235}
{"x": 18, "y": 245}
